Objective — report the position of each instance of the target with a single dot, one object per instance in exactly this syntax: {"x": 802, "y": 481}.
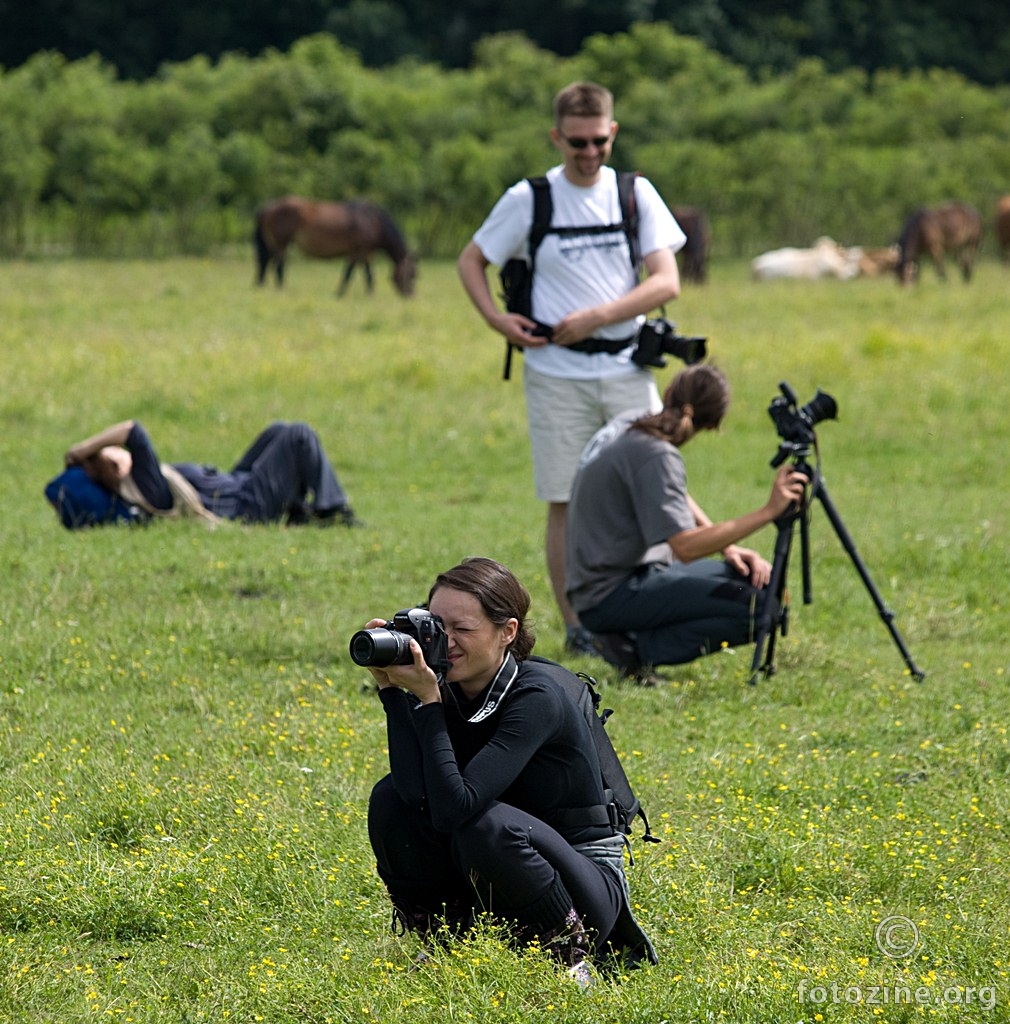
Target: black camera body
{"x": 659, "y": 337}
{"x": 389, "y": 644}
{"x": 796, "y": 425}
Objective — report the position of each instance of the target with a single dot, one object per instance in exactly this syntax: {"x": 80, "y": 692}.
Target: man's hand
{"x": 577, "y": 326}
{"x": 519, "y": 330}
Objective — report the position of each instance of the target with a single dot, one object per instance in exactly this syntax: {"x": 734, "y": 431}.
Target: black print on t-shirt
{"x": 573, "y": 248}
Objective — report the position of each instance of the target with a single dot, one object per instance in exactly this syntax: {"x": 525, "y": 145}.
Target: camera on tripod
{"x": 795, "y": 424}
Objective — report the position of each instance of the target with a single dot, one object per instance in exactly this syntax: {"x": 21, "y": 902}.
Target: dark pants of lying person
{"x": 283, "y": 465}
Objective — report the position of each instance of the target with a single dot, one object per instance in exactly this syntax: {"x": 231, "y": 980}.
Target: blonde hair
{"x": 185, "y": 500}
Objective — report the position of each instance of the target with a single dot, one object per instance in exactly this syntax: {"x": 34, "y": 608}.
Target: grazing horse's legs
{"x": 968, "y": 254}
{"x": 356, "y": 261}
{"x": 261, "y": 270}
{"x": 346, "y": 279}
{"x": 263, "y": 254}
{"x": 264, "y": 257}
{"x": 936, "y": 254}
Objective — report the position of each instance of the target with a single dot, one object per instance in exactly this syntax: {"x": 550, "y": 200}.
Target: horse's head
{"x": 404, "y": 274}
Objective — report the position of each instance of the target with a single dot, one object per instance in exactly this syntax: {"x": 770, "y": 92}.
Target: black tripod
{"x": 776, "y": 608}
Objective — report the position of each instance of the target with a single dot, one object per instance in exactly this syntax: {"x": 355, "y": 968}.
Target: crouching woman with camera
{"x": 494, "y": 801}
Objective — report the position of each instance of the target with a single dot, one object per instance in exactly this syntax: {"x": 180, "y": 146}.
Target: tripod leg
{"x": 820, "y": 491}
{"x": 774, "y": 607}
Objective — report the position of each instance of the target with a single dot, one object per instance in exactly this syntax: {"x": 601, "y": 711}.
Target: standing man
{"x": 587, "y": 304}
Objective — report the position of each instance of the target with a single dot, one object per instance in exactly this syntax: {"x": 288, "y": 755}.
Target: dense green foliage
{"x": 140, "y": 36}
{"x": 186, "y": 749}
{"x": 178, "y": 163}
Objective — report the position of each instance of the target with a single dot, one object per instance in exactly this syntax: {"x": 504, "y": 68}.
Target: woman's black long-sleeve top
{"x": 533, "y": 751}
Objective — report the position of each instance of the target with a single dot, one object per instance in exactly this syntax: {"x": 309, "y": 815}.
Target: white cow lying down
{"x": 825, "y": 259}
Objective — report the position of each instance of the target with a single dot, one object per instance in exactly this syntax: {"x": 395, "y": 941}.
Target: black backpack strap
{"x": 629, "y": 214}
{"x": 543, "y": 207}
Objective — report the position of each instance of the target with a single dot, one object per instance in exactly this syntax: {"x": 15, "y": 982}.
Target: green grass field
{"x": 186, "y": 749}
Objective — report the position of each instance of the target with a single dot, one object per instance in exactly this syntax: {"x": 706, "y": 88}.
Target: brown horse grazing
{"x": 954, "y": 228}
{"x": 694, "y": 255}
{"x": 1003, "y": 227}
{"x": 354, "y": 230}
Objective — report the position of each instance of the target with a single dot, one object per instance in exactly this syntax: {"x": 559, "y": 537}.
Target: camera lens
{"x": 380, "y": 647}
{"x": 821, "y": 407}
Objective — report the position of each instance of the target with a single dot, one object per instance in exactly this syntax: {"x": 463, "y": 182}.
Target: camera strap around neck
{"x": 494, "y": 695}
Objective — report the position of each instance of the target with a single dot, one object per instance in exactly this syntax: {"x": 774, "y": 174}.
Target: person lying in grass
{"x": 284, "y": 475}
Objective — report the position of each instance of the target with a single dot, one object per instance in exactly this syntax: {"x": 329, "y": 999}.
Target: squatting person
{"x": 494, "y": 801}
{"x": 631, "y": 510}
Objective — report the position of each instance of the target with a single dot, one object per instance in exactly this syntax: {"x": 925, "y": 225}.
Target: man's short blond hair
{"x": 583, "y": 99}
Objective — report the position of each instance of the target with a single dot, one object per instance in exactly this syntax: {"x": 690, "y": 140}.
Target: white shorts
{"x": 564, "y": 414}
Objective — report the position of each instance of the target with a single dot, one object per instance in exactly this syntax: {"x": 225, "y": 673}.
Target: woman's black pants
{"x": 502, "y": 860}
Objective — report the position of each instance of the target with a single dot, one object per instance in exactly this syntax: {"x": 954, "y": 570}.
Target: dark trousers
{"x": 679, "y": 612}
{"x": 286, "y": 465}
{"x": 502, "y": 860}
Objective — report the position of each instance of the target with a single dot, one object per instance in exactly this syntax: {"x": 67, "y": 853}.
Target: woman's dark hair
{"x": 696, "y": 399}
{"x": 500, "y": 594}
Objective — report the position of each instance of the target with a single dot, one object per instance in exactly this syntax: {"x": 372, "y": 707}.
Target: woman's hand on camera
{"x": 417, "y": 677}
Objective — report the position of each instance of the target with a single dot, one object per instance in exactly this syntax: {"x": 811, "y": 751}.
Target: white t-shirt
{"x": 584, "y": 270}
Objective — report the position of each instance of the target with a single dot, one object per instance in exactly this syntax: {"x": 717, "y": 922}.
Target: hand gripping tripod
{"x": 795, "y": 426}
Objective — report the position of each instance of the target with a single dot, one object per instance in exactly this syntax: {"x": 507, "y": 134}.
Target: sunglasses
{"x": 599, "y": 141}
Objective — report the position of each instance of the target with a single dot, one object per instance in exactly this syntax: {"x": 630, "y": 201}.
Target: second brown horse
{"x": 954, "y": 228}
{"x": 354, "y": 230}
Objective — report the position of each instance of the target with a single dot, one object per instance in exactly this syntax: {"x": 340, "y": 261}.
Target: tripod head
{"x": 798, "y": 453}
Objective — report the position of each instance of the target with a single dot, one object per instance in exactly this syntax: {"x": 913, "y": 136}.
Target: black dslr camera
{"x": 659, "y": 337}
{"x": 389, "y": 644}
{"x": 796, "y": 425}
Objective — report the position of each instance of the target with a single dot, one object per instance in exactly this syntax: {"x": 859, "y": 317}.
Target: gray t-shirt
{"x": 630, "y": 494}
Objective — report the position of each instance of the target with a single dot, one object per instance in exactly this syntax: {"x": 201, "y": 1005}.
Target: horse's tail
{"x": 263, "y": 253}
{"x": 909, "y": 241}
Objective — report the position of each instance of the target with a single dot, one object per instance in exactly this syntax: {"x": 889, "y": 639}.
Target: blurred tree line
{"x": 92, "y": 163}
{"x": 138, "y": 36}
